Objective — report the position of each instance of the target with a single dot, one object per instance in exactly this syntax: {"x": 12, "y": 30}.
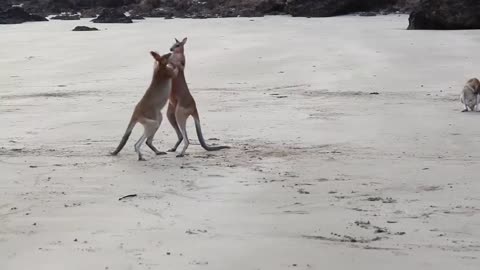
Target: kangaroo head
{"x": 178, "y": 46}
{"x": 163, "y": 67}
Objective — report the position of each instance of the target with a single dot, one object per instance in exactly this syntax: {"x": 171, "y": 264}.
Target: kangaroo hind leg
{"x": 153, "y": 127}
{"x": 150, "y": 127}
{"x": 173, "y": 121}
{"x": 182, "y": 117}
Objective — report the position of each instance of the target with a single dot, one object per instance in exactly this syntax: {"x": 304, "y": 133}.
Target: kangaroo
{"x": 148, "y": 110}
{"x": 182, "y": 104}
{"x": 469, "y": 96}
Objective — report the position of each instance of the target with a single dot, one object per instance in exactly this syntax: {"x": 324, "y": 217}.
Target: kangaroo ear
{"x": 184, "y": 41}
{"x": 156, "y": 56}
{"x": 176, "y": 40}
{"x": 164, "y": 59}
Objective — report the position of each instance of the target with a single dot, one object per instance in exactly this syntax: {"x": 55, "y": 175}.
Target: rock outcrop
{"x": 66, "y": 17}
{"x": 111, "y": 15}
{"x": 18, "y": 15}
{"x": 216, "y": 8}
{"x": 446, "y": 15}
{"x": 327, "y": 8}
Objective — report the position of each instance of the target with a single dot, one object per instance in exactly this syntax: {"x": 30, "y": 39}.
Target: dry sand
{"x": 322, "y": 175}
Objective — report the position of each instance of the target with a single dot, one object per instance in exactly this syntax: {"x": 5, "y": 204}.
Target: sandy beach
{"x": 349, "y": 150}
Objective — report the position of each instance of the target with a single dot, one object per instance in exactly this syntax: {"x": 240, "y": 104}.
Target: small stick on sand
{"x": 127, "y": 196}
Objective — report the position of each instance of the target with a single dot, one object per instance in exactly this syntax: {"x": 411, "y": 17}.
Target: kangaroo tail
{"x": 125, "y": 137}
{"x": 200, "y": 135}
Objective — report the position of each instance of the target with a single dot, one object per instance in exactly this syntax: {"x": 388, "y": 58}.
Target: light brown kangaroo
{"x": 182, "y": 104}
{"x": 148, "y": 110}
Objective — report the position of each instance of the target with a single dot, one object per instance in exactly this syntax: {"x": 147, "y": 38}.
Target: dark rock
{"x": 55, "y": 6}
{"x": 136, "y": 17}
{"x": 6, "y": 4}
{"x": 445, "y": 15}
{"x": 247, "y": 8}
{"x": 203, "y": 15}
{"x": 19, "y": 15}
{"x": 271, "y": 7}
{"x": 214, "y": 8}
{"x": 327, "y": 8}
{"x": 367, "y": 14}
{"x": 112, "y": 16}
{"x": 195, "y": 9}
{"x": 401, "y": 6}
{"x": 90, "y": 13}
{"x": 161, "y": 13}
{"x": 245, "y": 12}
{"x": 250, "y": 13}
{"x": 66, "y": 17}
{"x": 84, "y": 28}
{"x": 113, "y": 3}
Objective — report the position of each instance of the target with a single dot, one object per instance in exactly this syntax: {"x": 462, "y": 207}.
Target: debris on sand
{"x": 343, "y": 238}
{"x": 194, "y": 262}
{"x": 368, "y": 225}
{"x": 189, "y": 231}
{"x": 383, "y": 200}
{"x": 389, "y": 200}
{"x": 358, "y": 209}
{"x": 127, "y": 196}
{"x": 430, "y": 188}
{"x": 303, "y": 191}
{"x": 380, "y": 230}
{"x": 363, "y": 224}
{"x": 377, "y": 229}
{"x": 379, "y": 248}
